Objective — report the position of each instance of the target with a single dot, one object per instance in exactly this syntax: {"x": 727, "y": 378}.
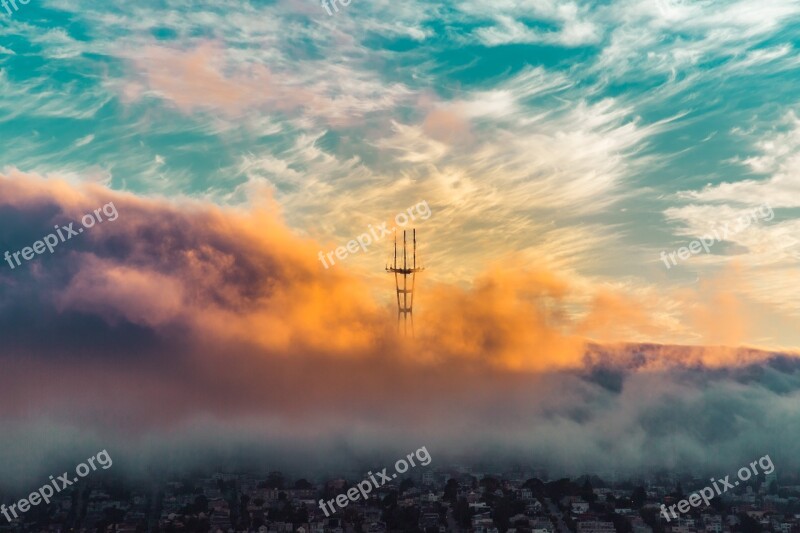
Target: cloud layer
{"x": 183, "y": 329}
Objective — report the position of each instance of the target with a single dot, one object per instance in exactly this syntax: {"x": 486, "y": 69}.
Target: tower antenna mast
{"x": 405, "y": 295}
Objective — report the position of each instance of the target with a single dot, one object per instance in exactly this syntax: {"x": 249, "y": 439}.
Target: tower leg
{"x": 406, "y": 303}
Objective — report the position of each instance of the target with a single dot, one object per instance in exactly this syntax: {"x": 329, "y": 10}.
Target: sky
{"x": 556, "y": 157}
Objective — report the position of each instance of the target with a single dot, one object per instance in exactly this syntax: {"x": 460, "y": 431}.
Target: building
{"x": 596, "y": 526}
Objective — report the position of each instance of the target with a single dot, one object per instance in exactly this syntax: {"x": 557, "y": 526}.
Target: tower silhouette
{"x": 405, "y": 296}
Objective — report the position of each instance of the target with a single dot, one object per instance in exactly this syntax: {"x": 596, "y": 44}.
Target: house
{"x": 542, "y": 524}
{"x": 596, "y": 526}
{"x": 520, "y": 520}
{"x": 579, "y": 507}
{"x": 483, "y": 524}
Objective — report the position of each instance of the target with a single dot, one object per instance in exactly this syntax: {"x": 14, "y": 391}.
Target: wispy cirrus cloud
{"x": 208, "y": 77}
{"x": 777, "y": 158}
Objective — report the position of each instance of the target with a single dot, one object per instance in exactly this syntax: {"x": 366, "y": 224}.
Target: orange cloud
{"x": 241, "y": 276}
{"x": 511, "y": 318}
{"x": 179, "y": 313}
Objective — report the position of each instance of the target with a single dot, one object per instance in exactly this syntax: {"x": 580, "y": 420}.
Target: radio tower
{"x": 405, "y": 303}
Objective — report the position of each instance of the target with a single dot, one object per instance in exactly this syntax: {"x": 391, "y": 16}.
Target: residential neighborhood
{"x": 456, "y": 499}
